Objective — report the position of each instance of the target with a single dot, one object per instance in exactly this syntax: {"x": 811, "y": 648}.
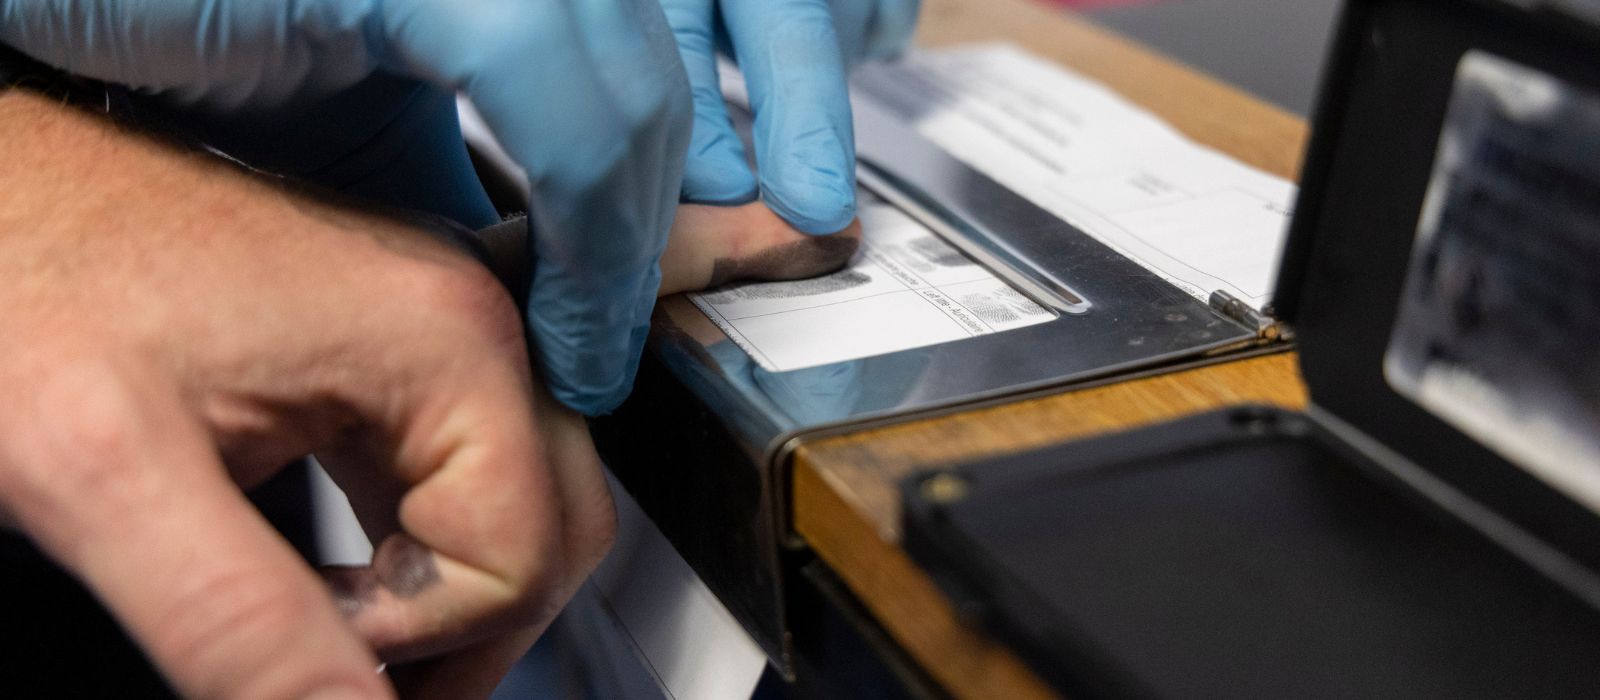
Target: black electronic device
{"x": 1430, "y": 525}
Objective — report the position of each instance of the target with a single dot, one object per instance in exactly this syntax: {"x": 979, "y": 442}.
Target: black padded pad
{"x": 1245, "y": 554}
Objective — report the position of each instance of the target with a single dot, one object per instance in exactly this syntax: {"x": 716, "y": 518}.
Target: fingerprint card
{"x": 905, "y": 288}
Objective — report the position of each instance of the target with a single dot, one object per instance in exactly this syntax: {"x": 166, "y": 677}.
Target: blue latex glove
{"x": 794, "y": 55}
{"x": 589, "y": 97}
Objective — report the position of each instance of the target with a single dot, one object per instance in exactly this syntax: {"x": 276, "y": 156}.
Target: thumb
{"x": 123, "y": 488}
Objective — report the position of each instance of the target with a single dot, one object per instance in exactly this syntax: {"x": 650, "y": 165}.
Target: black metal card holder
{"x": 705, "y": 440}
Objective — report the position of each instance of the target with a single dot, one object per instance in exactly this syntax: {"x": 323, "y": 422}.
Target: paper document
{"x": 1192, "y": 215}
{"x": 905, "y": 288}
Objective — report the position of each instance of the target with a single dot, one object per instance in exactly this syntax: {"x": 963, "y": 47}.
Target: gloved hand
{"x": 589, "y": 97}
{"x": 795, "y": 55}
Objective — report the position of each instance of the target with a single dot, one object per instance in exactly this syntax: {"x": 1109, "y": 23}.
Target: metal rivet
{"x": 944, "y": 488}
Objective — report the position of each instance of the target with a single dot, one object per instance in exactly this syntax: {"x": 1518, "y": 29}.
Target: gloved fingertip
{"x": 590, "y": 403}
{"x": 808, "y": 173}
{"x": 812, "y": 209}
{"x": 716, "y": 172}
{"x": 589, "y": 340}
{"x": 590, "y": 392}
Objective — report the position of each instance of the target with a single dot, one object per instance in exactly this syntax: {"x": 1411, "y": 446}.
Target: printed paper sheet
{"x": 1198, "y": 218}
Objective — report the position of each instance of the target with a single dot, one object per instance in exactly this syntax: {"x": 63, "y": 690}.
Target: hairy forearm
{"x": 74, "y": 164}
{"x": 133, "y": 231}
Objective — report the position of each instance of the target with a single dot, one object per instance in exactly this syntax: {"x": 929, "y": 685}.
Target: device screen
{"x": 1498, "y": 331}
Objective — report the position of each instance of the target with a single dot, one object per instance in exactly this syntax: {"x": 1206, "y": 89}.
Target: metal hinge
{"x": 1265, "y": 326}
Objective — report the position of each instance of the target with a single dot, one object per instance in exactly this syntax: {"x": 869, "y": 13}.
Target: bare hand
{"x": 172, "y": 330}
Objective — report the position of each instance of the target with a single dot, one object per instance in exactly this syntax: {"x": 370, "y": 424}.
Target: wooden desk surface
{"x": 846, "y": 506}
